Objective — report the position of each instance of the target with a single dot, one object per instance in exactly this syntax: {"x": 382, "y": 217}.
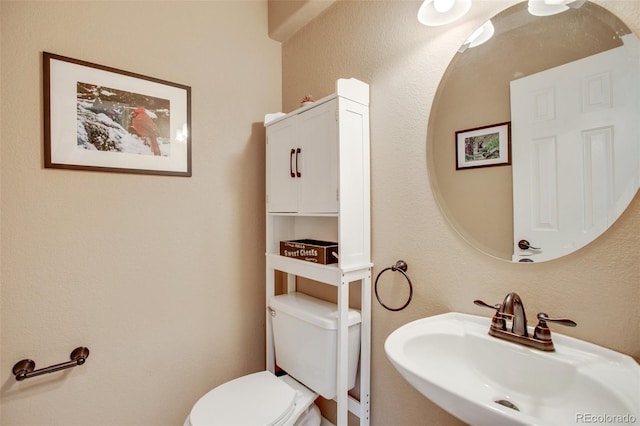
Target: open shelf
{"x": 330, "y": 274}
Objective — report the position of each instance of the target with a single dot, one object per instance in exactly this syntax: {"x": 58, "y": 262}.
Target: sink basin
{"x": 482, "y": 380}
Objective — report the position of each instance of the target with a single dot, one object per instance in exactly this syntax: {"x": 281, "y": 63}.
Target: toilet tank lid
{"x": 310, "y": 309}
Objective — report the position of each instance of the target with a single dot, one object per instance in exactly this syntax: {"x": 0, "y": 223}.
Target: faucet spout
{"x": 513, "y": 308}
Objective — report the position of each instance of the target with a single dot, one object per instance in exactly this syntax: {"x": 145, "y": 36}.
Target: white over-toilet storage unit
{"x": 317, "y": 187}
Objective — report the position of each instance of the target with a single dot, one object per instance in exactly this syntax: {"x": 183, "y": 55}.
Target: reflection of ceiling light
{"x": 442, "y": 12}
{"x": 547, "y": 7}
{"x": 443, "y": 6}
{"x": 479, "y": 36}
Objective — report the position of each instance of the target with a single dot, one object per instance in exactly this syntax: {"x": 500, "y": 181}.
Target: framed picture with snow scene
{"x": 484, "y": 146}
{"x": 104, "y": 119}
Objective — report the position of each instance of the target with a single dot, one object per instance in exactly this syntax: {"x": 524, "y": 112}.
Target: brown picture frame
{"x": 484, "y": 146}
{"x": 100, "y": 118}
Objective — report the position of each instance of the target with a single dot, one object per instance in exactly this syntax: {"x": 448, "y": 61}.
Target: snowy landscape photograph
{"x": 116, "y": 120}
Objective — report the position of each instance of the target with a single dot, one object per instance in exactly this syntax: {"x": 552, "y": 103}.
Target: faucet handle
{"x": 497, "y": 322}
{"x": 542, "y": 317}
{"x": 542, "y": 331}
{"x": 486, "y": 305}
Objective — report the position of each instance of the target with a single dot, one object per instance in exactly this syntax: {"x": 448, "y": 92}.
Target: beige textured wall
{"x": 383, "y": 44}
{"x": 161, "y": 277}
{"x": 286, "y": 17}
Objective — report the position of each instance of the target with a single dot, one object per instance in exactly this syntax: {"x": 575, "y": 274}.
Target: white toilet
{"x": 305, "y": 340}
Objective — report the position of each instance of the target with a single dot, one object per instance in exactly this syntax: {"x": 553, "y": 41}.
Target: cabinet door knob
{"x": 293, "y": 151}
{"x": 298, "y": 151}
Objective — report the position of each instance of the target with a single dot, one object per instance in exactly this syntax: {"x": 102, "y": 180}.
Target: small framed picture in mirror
{"x": 484, "y": 146}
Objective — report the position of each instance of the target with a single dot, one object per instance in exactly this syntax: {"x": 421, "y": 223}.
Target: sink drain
{"x": 507, "y": 404}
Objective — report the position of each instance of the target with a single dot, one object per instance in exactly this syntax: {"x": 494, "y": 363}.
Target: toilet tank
{"x": 305, "y": 334}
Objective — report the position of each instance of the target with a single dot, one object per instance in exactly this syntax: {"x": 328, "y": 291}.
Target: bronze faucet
{"x": 512, "y": 310}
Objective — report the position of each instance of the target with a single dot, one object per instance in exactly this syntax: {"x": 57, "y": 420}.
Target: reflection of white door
{"x": 575, "y": 150}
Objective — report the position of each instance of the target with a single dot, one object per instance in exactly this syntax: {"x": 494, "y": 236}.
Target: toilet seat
{"x": 256, "y": 399}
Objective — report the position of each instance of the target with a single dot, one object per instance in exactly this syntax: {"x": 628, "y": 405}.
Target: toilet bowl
{"x": 257, "y": 399}
{"x": 305, "y": 343}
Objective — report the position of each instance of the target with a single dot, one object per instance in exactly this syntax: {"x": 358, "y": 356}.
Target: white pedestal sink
{"x": 482, "y": 380}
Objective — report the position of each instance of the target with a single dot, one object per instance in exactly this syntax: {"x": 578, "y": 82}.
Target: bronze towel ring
{"x": 401, "y": 266}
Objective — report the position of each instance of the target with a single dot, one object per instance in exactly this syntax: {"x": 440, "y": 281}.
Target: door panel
{"x": 318, "y": 139}
{"x": 282, "y": 189}
{"x": 571, "y": 169}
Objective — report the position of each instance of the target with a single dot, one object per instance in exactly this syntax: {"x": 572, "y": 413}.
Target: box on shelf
{"x": 316, "y": 251}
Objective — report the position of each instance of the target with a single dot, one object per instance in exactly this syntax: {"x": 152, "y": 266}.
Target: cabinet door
{"x": 282, "y": 188}
{"x": 318, "y": 167}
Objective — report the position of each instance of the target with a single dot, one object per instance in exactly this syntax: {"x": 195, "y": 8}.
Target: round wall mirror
{"x": 534, "y": 138}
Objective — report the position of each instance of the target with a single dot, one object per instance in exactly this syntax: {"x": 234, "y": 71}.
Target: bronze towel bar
{"x": 25, "y": 368}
